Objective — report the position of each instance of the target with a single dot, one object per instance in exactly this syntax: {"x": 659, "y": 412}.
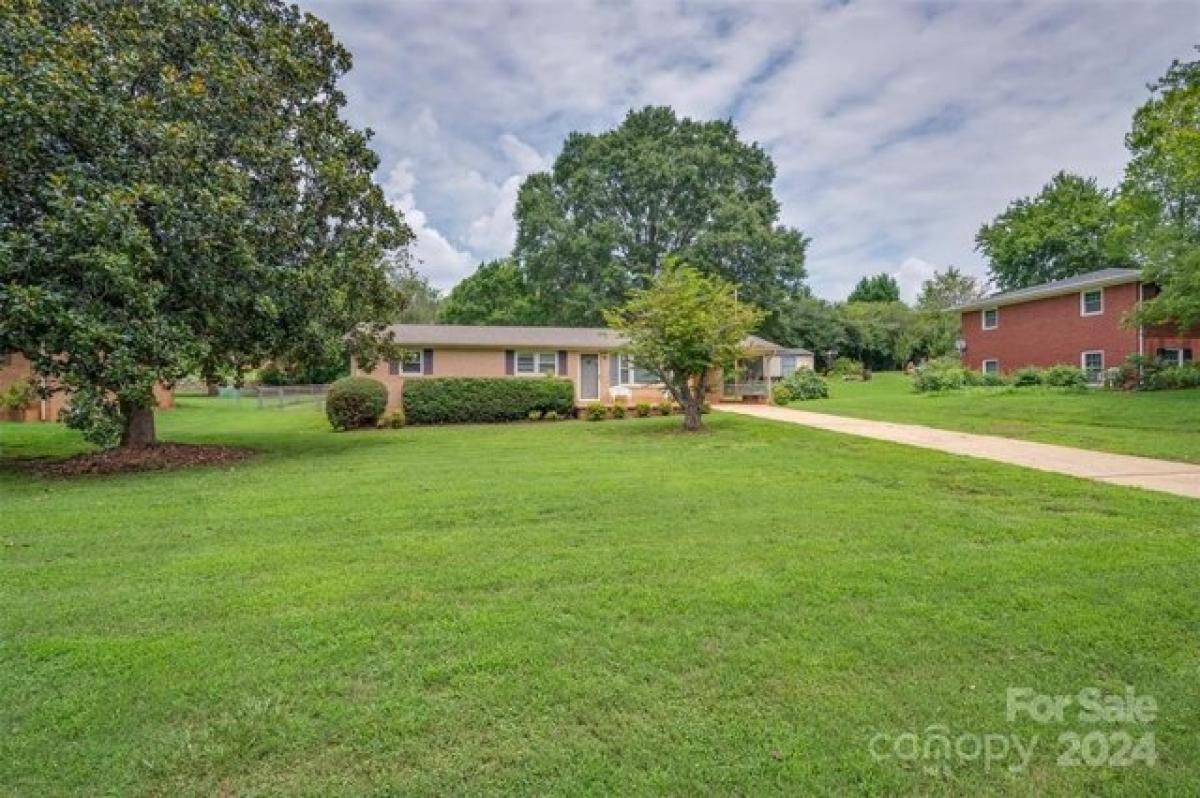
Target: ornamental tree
{"x": 179, "y": 194}
{"x": 682, "y": 326}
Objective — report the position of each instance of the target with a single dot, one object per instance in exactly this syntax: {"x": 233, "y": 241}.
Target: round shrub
{"x": 596, "y": 412}
{"x": 781, "y": 395}
{"x": 805, "y": 384}
{"x": 1063, "y": 376}
{"x": 618, "y": 411}
{"x": 943, "y": 374}
{"x": 355, "y": 402}
{"x": 642, "y": 409}
{"x": 664, "y": 408}
{"x": 1024, "y": 378}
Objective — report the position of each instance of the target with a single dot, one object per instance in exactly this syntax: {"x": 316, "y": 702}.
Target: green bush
{"x": 849, "y": 370}
{"x": 781, "y": 395}
{"x": 1030, "y": 375}
{"x": 19, "y": 396}
{"x": 596, "y": 412}
{"x": 804, "y": 385}
{"x": 618, "y": 411}
{"x": 991, "y": 380}
{"x": 1172, "y": 377}
{"x": 665, "y": 408}
{"x": 642, "y": 409}
{"x": 481, "y": 400}
{"x": 1064, "y": 376}
{"x": 942, "y": 374}
{"x": 393, "y": 420}
{"x": 355, "y": 402}
{"x": 535, "y": 415}
{"x": 551, "y": 415}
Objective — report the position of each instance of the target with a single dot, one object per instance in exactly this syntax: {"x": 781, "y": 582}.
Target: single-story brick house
{"x": 589, "y": 357}
{"x": 15, "y": 369}
{"x": 1078, "y": 321}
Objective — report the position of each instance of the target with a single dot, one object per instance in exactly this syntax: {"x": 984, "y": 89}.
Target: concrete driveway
{"x": 1181, "y": 479}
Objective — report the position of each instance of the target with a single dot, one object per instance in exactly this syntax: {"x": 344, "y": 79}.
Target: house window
{"x": 787, "y": 365}
{"x": 991, "y": 366}
{"x": 629, "y": 373}
{"x": 1174, "y": 357}
{"x": 409, "y": 363}
{"x": 532, "y": 363}
{"x": 1093, "y": 365}
{"x": 991, "y": 318}
{"x": 1091, "y": 303}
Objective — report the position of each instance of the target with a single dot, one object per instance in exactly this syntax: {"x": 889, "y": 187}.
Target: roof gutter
{"x": 1030, "y": 296}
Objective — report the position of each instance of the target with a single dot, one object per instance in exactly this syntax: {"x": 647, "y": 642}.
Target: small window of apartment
{"x": 1093, "y": 365}
{"x": 1174, "y": 357}
{"x": 629, "y": 373}
{"x": 991, "y": 366}
{"x": 409, "y": 363}
{"x": 991, "y": 318}
{"x": 1091, "y": 303}
{"x": 537, "y": 363}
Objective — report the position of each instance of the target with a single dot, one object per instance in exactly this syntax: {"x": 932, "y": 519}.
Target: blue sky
{"x": 896, "y": 128}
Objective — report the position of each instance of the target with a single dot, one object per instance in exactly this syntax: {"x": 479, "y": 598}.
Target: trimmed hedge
{"x": 485, "y": 400}
{"x": 355, "y": 402}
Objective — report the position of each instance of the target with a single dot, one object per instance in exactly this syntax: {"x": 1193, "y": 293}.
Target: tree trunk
{"x": 139, "y": 427}
{"x": 691, "y": 414}
{"x": 213, "y": 388}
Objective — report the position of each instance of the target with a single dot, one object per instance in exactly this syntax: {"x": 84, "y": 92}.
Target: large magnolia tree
{"x": 179, "y": 194}
{"x": 684, "y": 324}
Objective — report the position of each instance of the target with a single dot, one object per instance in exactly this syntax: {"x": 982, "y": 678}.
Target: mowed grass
{"x": 575, "y": 608}
{"x": 1163, "y": 424}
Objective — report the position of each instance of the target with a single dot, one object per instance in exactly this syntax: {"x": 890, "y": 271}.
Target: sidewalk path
{"x": 1182, "y": 479}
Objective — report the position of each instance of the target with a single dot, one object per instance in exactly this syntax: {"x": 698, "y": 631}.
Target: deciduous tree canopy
{"x": 1069, "y": 228}
{"x": 1161, "y": 194}
{"x": 601, "y": 223}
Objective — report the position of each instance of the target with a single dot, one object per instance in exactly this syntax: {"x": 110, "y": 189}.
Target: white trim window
{"x": 411, "y": 361}
{"x": 536, "y": 364}
{"x": 1092, "y": 363}
{"x": 629, "y": 373}
{"x": 991, "y": 366}
{"x": 1174, "y": 356}
{"x": 990, "y": 318}
{"x": 1091, "y": 302}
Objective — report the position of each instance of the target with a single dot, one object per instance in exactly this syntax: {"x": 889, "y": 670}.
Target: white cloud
{"x": 896, "y": 128}
{"x": 434, "y": 256}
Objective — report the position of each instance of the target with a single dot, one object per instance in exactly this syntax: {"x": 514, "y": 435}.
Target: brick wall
{"x": 1044, "y": 332}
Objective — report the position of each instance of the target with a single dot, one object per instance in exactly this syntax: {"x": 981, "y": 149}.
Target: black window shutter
{"x": 509, "y": 357}
{"x": 1187, "y": 356}
{"x": 1160, "y": 353}
{"x": 614, "y": 369}
{"x": 427, "y": 361}
{"x": 562, "y": 362}
{"x": 393, "y": 367}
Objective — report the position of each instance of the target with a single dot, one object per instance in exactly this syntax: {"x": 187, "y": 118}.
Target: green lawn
{"x": 574, "y": 608}
{"x": 1162, "y": 424}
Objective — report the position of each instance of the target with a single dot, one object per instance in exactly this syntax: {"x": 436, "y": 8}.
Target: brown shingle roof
{"x": 475, "y": 337}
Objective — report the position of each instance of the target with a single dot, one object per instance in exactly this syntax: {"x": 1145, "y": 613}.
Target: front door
{"x": 589, "y": 377}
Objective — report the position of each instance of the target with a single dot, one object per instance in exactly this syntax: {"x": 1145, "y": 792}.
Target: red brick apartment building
{"x": 1077, "y": 321}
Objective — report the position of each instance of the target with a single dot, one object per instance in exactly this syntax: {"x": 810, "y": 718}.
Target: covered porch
{"x": 761, "y": 366}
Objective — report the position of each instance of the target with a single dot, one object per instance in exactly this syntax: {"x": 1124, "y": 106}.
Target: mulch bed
{"x": 159, "y": 457}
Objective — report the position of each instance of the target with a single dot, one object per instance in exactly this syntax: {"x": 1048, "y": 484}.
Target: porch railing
{"x": 737, "y": 390}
